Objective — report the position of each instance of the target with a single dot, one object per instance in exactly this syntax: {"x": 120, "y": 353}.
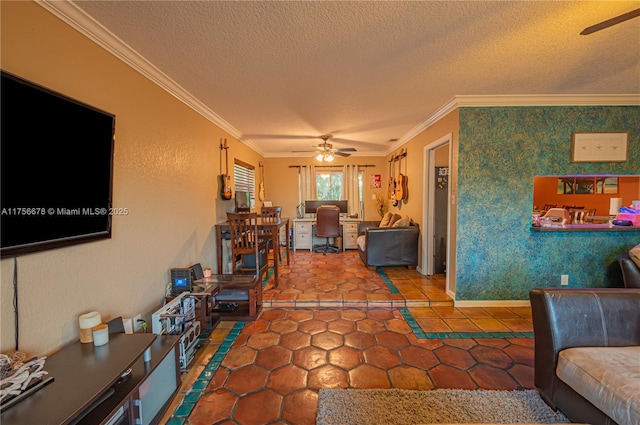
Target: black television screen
{"x": 56, "y": 170}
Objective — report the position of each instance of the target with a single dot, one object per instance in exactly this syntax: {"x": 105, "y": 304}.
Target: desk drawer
{"x": 304, "y": 227}
{"x": 350, "y": 227}
{"x": 350, "y": 240}
{"x": 350, "y": 235}
{"x": 303, "y": 240}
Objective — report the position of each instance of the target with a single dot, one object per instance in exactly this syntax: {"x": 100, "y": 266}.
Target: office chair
{"x": 327, "y": 226}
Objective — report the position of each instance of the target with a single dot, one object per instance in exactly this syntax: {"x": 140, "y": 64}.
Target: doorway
{"x": 440, "y": 210}
{"x": 436, "y": 210}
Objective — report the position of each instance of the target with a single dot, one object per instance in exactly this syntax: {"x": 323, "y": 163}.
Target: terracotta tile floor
{"x": 334, "y": 324}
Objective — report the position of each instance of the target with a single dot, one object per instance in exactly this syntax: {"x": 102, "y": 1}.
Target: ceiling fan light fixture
{"x": 324, "y": 156}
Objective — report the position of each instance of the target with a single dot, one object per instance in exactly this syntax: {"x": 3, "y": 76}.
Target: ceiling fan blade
{"x": 302, "y": 151}
{"x": 347, "y": 149}
{"x": 341, "y": 153}
{"x": 610, "y": 22}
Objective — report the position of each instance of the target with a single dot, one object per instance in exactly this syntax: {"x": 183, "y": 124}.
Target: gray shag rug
{"x": 440, "y": 406}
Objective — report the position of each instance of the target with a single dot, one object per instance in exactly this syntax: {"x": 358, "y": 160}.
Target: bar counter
{"x": 585, "y": 227}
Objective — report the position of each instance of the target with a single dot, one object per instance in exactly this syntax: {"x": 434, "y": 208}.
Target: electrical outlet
{"x": 564, "y": 279}
{"x": 137, "y": 324}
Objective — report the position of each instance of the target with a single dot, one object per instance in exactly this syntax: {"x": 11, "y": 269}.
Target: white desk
{"x": 303, "y": 235}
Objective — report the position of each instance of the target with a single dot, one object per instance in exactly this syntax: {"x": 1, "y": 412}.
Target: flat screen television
{"x": 56, "y": 169}
{"x": 310, "y": 207}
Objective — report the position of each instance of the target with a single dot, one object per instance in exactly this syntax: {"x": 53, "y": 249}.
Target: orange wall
{"x": 545, "y": 188}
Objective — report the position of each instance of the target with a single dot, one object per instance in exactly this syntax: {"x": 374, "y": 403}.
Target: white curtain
{"x": 306, "y": 183}
{"x": 352, "y": 189}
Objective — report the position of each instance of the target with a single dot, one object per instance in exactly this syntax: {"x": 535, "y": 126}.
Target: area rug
{"x": 407, "y": 407}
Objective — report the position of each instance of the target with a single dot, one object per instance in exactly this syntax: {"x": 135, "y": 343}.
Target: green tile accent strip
{"x": 193, "y": 396}
{"x": 269, "y": 275}
{"x": 387, "y": 281}
{"x": 183, "y": 411}
{"x": 413, "y": 324}
{"x": 419, "y": 333}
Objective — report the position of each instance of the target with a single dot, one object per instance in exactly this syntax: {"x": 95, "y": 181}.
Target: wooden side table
{"x": 219, "y": 282}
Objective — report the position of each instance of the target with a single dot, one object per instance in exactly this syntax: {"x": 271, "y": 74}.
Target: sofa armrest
{"x": 579, "y": 317}
{"x": 630, "y": 272}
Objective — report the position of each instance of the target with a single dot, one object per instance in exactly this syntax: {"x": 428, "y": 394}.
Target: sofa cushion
{"x": 361, "y": 242}
{"x": 634, "y": 254}
{"x": 394, "y": 218}
{"x": 608, "y": 377}
{"x": 403, "y": 222}
{"x": 385, "y": 220}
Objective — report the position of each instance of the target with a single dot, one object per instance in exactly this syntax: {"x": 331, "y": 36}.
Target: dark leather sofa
{"x": 630, "y": 271}
{"x": 579, "y": 317}
{"x": 388, "y": 246}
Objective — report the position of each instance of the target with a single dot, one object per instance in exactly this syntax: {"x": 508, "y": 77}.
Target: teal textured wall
{"x": 501, "y": 150}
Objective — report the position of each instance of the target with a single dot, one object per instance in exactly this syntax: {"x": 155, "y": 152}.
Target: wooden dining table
{"x": 268, "y": 224}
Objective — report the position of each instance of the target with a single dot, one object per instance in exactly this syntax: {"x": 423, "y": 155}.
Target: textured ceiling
{"x": 279, "y": 74}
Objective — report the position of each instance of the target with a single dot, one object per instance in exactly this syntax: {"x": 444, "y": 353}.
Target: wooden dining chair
{"x": 579, "y": 215}
{"x": 546, "y": 208}
{"x": 270, "y": 213}
{"x": 247, "y": 247}
{"x": 248, "y": 256}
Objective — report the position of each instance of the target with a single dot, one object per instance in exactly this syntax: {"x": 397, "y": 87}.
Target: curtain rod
{"x": 333, "y": 166}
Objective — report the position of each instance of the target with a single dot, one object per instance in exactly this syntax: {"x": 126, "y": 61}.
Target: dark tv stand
{"x": 88, "y": 388}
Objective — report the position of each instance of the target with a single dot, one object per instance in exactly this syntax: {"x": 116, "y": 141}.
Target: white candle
{"x": 100, "y": 335}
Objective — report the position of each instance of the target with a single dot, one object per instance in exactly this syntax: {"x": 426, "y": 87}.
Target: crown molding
{"x": 549, "y": 100}
{"x": 86, "y": 25}
{"x": 519, "y": 100}
{"x": 89, "y": 27}
{"x": 445, "y": 109}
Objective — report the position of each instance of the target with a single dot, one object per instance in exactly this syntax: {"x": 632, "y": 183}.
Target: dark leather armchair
{"x": 630, "y": 271}
{"x": 388, "y": 246}
{"x": 327, "y": 226}
{"x": 579, "y": 317}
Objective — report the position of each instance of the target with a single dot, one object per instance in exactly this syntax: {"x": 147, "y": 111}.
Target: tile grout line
{"x": 196, "y": 391}
{"x": 419, "y": 333}
{"x": 193, "y": 395}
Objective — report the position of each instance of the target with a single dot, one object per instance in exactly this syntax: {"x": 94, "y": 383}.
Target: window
{"x": 328, "y": 185}
{"x": 244, "y": 179}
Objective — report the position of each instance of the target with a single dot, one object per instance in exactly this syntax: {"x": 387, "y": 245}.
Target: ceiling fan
{"x": 326, "y": 152}
{"x": 610, "y": 22}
